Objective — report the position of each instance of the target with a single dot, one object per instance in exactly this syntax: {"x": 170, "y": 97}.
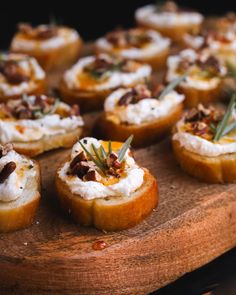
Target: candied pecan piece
{"x": 112, "y": 161}
{"x": 80, "y": 169}
{"x": 7, "y": 171}
{"x": 45, "y": 32}
{"x": 92, "y": 175}
{"x": 127, "y": 98}
{"x": 25, "y": 28}
{"x": 78, "y": 158}
{"x": 12, "y": 72}
{"x": 170, "y": 6}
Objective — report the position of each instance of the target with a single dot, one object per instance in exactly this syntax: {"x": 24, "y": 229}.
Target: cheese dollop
{"x": 192, "y": 81}
{"x": 64, "y": 36}
{"x": 89, "y": 190}
{"x": 31, "y": 67}
{"x": 155, "y": 46}
{"x": 113, "y": 80}
{"x": 25, "y": 130}
{"x": 151, "y": 17}
{"x": 145, "y": 110}
{"x": 13, "y": 187}
{"x": 202, "y": 146}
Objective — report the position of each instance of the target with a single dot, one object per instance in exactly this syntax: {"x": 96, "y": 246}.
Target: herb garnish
{"x": 223, "y": 126}
{"x": 100, "y": 155}
{"x": 171, "y": 86}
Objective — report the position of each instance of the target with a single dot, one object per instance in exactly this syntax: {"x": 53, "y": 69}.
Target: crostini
{"x": 38, "y": 123}
{"x": 221, "y": 44}
{"x": 147, "y": 114}
{"x": 169, "y": 19}
{"x": 19, "y": 189}
{"x": 204, "y": 82}
{"x": 204, "y": 143}
{"x": 93, "y": 78}
{"x": 101, "y": 185}
{"x": 20, "y": 74}
{"x": 54, "y": 47}
{"x": 139, "y": 44}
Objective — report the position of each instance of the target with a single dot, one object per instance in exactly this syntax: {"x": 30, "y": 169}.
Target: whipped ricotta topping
{"x": 24, "y": 130}
{"x": 31, "y": 67}
{"x": 115, "y": 79}
{"x": 64, "y": 36}
{"x": 192, "y": 81}
{"x": 13, "y": 187}
{"x": 149, "y": 16}
{"x": 192, "y": 41}
{"x": 94, "y": 190}
{"x": 204, "y": 147}
{"x": 157, "y": 45}
{"x": 145, "y": 110}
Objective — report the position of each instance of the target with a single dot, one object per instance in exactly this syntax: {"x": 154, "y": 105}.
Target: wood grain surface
{"x": 193, "y": 224}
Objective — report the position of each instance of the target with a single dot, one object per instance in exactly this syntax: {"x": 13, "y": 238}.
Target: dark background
{"x": 91, "y": 18}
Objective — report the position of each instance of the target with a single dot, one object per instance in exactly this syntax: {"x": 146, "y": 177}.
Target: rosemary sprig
{"x": 101, "y": 154}
{"x": 231, "y": 69}
{"x": 124, "y": 148}
{"x": 223, "y": 128}
{"x": 171, "y": 86}
{"x": 97, "y": 162}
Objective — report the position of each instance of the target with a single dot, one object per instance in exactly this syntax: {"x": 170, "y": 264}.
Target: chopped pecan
{"x": 200, "y": 128}
{"x": 80, "y": 169}
{"x": 40, "y": 32}
{"x": 78, "y": 158}
{"x": 6, "y": 171}
{"x": 12, "y": 72}
{"x": 92, "y": 175}
{"x": 112, "y": 161}
{"x": 135, "y": 94}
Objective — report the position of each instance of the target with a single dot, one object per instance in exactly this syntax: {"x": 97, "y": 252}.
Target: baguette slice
{"x": 144, "y": 134}
{"x": 56, "y": 58}
{"x": 220, "y": 169}
{"x": 111, "y": 213}
{"x": 20, "y": 213}
{"x": 195, "y": 96}
{"x": 34, "y": 148}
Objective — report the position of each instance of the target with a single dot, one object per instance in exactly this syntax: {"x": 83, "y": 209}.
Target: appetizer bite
{"x": 204, "y": 143}
{"x": 169, "y": 19}
{"x": 20, "y": 74}
{"x": 101, "y": 185}
{"x": 93, "y": 78}
{"x": 19, "y": 189}
{"x": 219, "y": 43}
{"x": 54, "y": 47}
{"x": 145, "y": 113}
{"x": 137, "y": 44}
{"x": 38, "y": 123}
{"x": 205, "y": 75}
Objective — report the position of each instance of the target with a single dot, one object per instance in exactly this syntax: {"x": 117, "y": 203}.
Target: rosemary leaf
{"x": 109, "y": 147}
{"x": 229, "y": 128}
{"x": 171, "y": 86}
{"x": 231, "y": 69}
{"x": 103, "y": 152}
{"x": 220, "y": 129}
{"x": 97, "y": 155}
{"x": 92, "y": 157}
{"x": 124, "y": 148}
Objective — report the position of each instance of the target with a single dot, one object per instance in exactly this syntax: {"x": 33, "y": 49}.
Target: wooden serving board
{"x": 194, "y": 223}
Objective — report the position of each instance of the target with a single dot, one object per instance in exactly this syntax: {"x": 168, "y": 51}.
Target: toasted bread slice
{"x": 111, "y": 213}
{"x": 34, "y": 148}
{"x": 220, "y": 169}
{"x": 56, "y": 58}
{"x": 87, "y": 100}
{"x": 144, "y": 134}
{"x": 195, "y": 96}
{"x": 20, "y": 213}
